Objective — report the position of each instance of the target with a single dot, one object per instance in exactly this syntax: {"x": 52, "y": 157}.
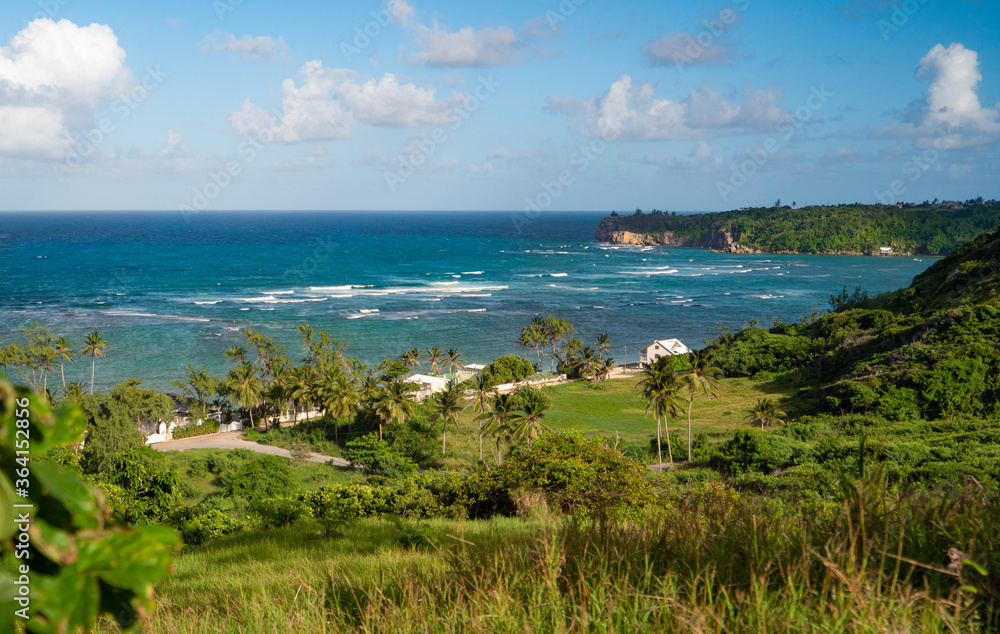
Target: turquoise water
{"x": 165, "y": 290}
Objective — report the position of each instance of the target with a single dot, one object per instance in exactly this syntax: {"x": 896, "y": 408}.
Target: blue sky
{"x": 541, "y": 105}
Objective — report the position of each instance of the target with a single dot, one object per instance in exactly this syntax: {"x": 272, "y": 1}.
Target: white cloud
{"x": 683, "y": 49}
{"x": 326, "y": 102}
{"x": 249, "y": 48}
{"x": 53, "y": 76}
{"x": 634, "y": 113}
{"x": 951, "y": 116}
{"x": 467, "y": 46}
{"x": 387, "y": 102}
{"x": 400, "y": 11}
{"x": 542, "y": 27}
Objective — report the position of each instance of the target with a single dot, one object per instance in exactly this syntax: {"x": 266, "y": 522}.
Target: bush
{"x": 141, "y": 489}
{"x": 751, "y": 450}
{"x": 509, "y": 368}
{"x": 376, "y": 458}
{"x": 189, "y": 431}
{"x": 257, "y": 477}
{"x": 278, "y": 512}
{"x": 198, "y": 524}
{"x": 335, "y": 504}
{"x": 576, "y": 475}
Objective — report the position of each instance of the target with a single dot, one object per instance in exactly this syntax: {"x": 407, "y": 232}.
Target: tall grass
{"x": 712, "y": 560}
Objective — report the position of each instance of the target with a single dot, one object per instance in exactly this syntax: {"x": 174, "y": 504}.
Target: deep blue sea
{"x": 165, "y": 290}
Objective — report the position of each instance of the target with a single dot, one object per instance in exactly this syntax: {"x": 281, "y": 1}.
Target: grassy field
{"x": 613, "y": 406}
{"x": 201, "y": 484}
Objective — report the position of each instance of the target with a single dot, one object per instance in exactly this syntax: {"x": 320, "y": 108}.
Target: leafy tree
{"x": 447, "y": 407}
{"x": 376, "y": 458}
{"x": 114, "y": 421}
{"x": 79, "y": 567}
{"x": 658, "y": 388}
{"x": 529, "y": 425}
{"x": 392, "y": 405}
{"x": 509, "y": 368}
{"x": 341, "y": 400}
{"x": 94, "y": 346}
{"x": 64, "y": 353}
{"x": 765, "y": 412}
{"x": 434, "y": 357}
{"x": 699, "y": 378}
{"x": 482, "y": 388}
{"x": 497, "y": 420}
{"x": 199, "y": 387}
{"x": 139, "y": 487}
{"x": 254, "y": 476}
{"x": 244, "y": 388}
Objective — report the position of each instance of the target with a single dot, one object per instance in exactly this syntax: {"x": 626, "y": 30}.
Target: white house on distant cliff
{"x": 662, "y": 348}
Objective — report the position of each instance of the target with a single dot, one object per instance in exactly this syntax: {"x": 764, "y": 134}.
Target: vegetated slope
{"x": 816, "y": 229}
{"x": 926, "y": 352}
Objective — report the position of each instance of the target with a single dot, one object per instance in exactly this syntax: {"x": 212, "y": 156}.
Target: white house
{"x": 427, "y": 384}
{"x": 662, "y": 348}
{"x": 885, "y": 250}
{"x": 473, "y": 368}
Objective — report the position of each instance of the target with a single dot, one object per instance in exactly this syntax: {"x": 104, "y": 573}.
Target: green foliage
{"x": 256, "y": 476}
{"x": 78, "y": 567}
{"x": 113, "y": 421}
{"x": 824, "y": 229}
{"x": 376, "y": 458}
{"x": 751, "y": 450}
{"x": 334, "y": 505}
{"x": 189, "y": 431}
{"x": 200, "y": 524}
{"x": 509, "y": 368}
{"x": 144, "y": 489}
{"x": 281, "y": 511}
{"x": 576, "y": 475}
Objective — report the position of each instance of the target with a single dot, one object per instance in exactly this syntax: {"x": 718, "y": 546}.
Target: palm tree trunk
{"x": 690, "y": 405}
{"x": 444, "y": 441}
{"x": 670, "y": 452}
{"x": 499, "y": 461}
{"x": 250, "y": 412}
{"x": 62, "y": 371}
{"x": 93, "y": 361}
{"x": 480, "y": 444}
{"x": 659, "y": 452}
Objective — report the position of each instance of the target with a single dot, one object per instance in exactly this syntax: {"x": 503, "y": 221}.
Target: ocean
{"x": 165, "y": 289}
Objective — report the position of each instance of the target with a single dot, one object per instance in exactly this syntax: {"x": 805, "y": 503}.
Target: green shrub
{"x": 278, "y": 512}
{"x": 508, "y": 369}
{"x": 751, "y": 450}
{"x": 257, "y": 477}
{"x": 142, "y": 488}
{"x": 189, "y": 431}
{"x": 575, "y": 474}
{"x": 376, "y": 458}
{"x": 198, "y": 524}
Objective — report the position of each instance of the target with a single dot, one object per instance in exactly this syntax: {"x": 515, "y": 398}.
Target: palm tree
{"x": 659, "y": 387}
{"x": 303, "y": 390}
{"x": 528, "y": 425}
{"x": 393, "y": 405}
{"x": 496, "y": 420}
{"x": 73, "y": 391}
{"x": 698, "y": 377}
{"x": 453, "y": 358}
{"x": 588, "y": 363}
{"x": 765, "y": 412}
{"x": 434, "y": 358}
{"x": 245, "y": 388}
{"x": 482, "y": 387}
{"x": 606, "y": 367}
{"x": 341, "y": 399}
{"x": 64, "y": 353}
{"x": 94, "y": 346}
{"x": 411, "y": 358}
{"x": 603, "y": 343}
{"x": 447, "y": 408}
{"x": 556, "y": 329}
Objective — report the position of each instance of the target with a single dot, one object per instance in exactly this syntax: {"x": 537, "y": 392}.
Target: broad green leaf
{"x": 72, "y": 492}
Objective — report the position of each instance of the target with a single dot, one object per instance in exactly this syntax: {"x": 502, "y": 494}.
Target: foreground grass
{"x": 709, "y": 560}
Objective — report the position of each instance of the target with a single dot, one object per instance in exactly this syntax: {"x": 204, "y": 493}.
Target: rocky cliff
{"x": 719, "y": 240}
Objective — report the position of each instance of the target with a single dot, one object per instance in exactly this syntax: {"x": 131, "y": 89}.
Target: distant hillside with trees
{"x": 928, "y": 228}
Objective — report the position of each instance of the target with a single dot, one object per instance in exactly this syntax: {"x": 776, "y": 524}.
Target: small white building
{"x": 427, "y": 384}
{"x": 472, "y": 368}
{"x": 662, "y": 348}
{"x": 885, "y": 250}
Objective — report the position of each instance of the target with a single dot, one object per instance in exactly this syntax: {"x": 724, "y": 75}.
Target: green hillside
{"x": 919, "y": 229}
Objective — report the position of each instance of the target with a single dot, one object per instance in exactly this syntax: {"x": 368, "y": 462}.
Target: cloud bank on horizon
{"x": 445, "y": 105}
